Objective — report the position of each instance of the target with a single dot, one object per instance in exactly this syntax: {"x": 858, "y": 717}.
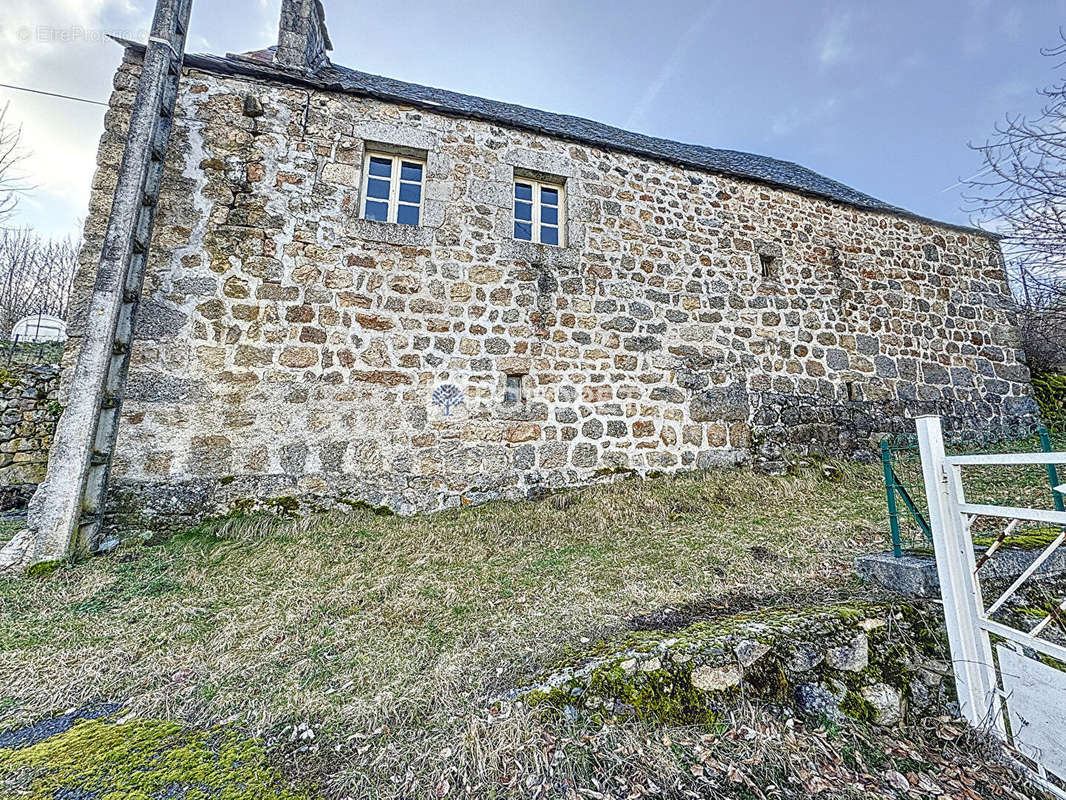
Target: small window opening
{"x": 768, "y": 265}
{"x": 513, "y": 393}
{"x": 538, "y": 212}
{"x": 851, "y": 390}
{"x": 392, "y": 188}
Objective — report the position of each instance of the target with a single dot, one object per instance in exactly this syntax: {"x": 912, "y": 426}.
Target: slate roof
{"x": 762, "y": 169}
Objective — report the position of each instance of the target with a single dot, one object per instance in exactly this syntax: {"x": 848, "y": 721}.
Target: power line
{"x": 83, "y": 100}
{"x": 52, "y": 94}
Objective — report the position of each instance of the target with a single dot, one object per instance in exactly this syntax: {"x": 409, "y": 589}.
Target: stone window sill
{"x": 391, "y": 232}
{"x": 547, "y": 254}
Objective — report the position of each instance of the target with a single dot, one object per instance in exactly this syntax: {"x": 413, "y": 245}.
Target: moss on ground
{"x": 43, "y": 569}
{"x": 1035, "y": 539}
{"x": 143, "y": 759}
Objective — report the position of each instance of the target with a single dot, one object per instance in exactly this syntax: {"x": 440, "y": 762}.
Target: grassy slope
{"x": 357, "y": 624}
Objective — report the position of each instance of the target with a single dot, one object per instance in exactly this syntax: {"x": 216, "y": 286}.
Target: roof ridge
{"x": 766, "y": 170}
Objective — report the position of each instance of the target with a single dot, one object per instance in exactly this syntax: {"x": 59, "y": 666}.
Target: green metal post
{"x": 890, "y": 496}
{"x": 1052, "y": 470}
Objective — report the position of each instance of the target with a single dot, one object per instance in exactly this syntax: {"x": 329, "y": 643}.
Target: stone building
{"x": 367, "y": 290}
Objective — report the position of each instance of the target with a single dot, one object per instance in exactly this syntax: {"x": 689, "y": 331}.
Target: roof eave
{"x": 237, "y": 65}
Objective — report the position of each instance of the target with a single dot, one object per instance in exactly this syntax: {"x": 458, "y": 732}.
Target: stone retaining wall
{"x": 288, "y": 348}
{"x": 29, "y": 409}
{"x": 877, "y": 663}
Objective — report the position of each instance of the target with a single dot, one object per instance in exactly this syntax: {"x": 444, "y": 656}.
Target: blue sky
{"x": 881, "y": 96}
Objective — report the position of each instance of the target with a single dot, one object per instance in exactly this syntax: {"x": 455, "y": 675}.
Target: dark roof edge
{"x": 247, "y": 67}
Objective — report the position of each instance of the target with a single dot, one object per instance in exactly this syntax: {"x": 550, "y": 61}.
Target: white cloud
{"x": 796, "y": 118}
{"x": 835, "y": 43}
{"x": 670, "y": 68}
{"x": 269, "y": 12}
{"x": 60, "y": 46}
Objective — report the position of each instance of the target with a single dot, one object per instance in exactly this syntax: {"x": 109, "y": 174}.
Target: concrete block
{"x": 914, "y": 575}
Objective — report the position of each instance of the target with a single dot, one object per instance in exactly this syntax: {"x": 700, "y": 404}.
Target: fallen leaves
{"x": 754, "y": 754}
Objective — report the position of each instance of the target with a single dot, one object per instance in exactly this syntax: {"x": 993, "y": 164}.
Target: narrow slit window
{"x": 538, "y": 212}
{"x": 852, "y": 396}
{"x": 393, "y": 188}
{"x": 513, "y": 393}
{"x": 768, "y": 266}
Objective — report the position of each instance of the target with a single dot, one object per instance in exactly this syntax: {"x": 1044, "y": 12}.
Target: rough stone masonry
{"x": 289, "y": 349}
{"x": 29, "y": 409}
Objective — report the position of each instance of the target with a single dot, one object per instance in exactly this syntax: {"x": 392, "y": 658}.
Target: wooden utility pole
{"x": 67, "y": 510}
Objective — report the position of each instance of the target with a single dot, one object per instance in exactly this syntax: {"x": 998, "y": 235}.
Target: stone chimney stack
{"x": 302, "y": 37}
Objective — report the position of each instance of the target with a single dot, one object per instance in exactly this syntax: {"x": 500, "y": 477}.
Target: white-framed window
{"x": 393, "y": 188}
{"x": 538, "y": 212}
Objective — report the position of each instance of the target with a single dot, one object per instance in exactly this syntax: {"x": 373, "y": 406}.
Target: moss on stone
{"x": 43, "y": 569}
{"x": 144, "y": 759}
{"x": 649, "y": 673}
{"x": 241, "y": 507}
{"x": 284, "y": 506}
{"x": 603, "y": 472}
{"x": 858, "y": 707}
{"x": 363, "y": 505}
{"x": 659, "y": 695}
{"x": 770, "y": 682}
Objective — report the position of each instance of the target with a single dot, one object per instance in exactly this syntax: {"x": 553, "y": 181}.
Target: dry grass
{"x": 752, "y": 753}
{"x": 9, "y": 527}
{"x": 385, "y": 636}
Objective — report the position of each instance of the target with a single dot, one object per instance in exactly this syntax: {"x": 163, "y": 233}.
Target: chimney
{"x": 302, "y": 36}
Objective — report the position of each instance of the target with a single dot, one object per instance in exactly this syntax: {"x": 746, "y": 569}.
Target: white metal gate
{"x": 1017, "y": 689}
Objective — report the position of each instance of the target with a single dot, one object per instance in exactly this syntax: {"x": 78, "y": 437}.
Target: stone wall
{"x": 29, "y": 409}
{"x": 884, "y": 664}
{"x": 287, "y": 347}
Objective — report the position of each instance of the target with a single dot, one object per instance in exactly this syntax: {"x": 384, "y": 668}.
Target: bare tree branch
{"x": 1021, "y": 193}
{"x": 12, "y": 185}
{"x": 36, "y": 275}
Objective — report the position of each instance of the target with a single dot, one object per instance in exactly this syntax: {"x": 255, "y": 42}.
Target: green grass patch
{"x": 9, "y": 527}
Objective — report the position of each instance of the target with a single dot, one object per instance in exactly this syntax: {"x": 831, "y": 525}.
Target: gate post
{"x": 971, "y": 651}
{"x": 890, "y": 498}
{"x": 1052, "y": 471}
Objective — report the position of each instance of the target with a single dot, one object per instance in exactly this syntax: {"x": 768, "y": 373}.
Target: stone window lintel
{"x": 404, "y": 140}
{"x": 531, "y": 163}
{"x": 766, "y": 247}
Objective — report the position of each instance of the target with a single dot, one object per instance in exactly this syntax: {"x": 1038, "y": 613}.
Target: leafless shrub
{"x": 11, "y": 183}
{"x": 36, "y": 275}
